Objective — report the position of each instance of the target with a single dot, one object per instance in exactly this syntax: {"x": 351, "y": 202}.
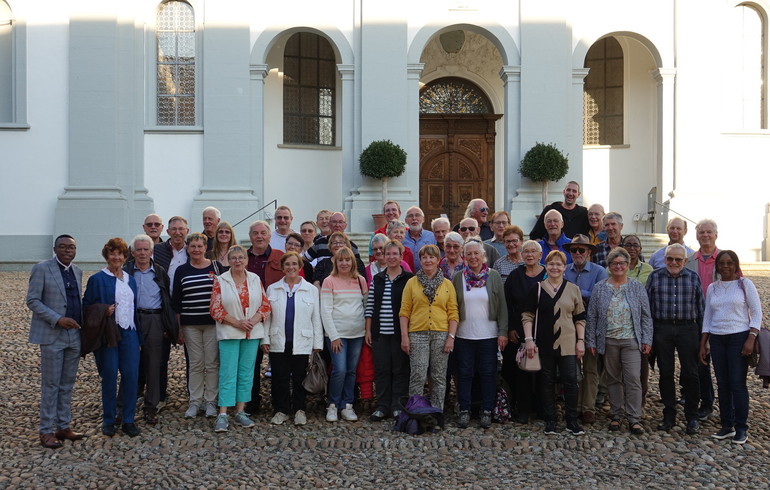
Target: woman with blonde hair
{"x": 223, "y": 241}
{"x": 342, "y": 311}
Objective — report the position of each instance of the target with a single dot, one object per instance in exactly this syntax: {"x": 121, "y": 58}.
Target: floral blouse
{"x": 218, "y": 312}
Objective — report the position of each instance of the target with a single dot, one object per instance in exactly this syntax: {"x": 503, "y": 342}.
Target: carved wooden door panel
{"x": 456, "y": 163}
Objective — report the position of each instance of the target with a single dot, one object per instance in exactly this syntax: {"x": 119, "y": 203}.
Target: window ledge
{"x": 14, "y": 127}
{"x": 297, "y": 146}
{"x": 747, "y": 132}
{"x": 173, "y": 130}
{"x": 605, "y": 147}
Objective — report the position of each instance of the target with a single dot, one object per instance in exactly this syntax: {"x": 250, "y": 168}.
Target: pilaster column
{"x": 511, "y": 76}
{"x": 351, "y": 177}
{"x": 665, "y": 79}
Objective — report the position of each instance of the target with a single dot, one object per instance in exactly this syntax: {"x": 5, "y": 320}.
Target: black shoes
{"x": 666, "y": 425}
{"x": 131, "y": 430}
{"x": 692, "y": 427}
{"x": 108, "y": 430}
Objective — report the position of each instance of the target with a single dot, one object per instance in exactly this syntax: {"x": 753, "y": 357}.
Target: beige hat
{"x": 582, "y": 241}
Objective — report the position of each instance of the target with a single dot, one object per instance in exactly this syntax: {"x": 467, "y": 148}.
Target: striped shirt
{"x": 192, "y": 294}
{"x": 387, "y": 327}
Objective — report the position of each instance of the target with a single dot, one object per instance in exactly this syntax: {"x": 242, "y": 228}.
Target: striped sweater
{"x": 192, "y": 294}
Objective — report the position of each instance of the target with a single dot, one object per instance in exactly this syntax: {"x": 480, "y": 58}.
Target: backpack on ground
{"x": 419, "y": 416}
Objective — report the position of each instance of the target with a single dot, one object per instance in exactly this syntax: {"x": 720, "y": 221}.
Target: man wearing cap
{"x": 585, "y": 274}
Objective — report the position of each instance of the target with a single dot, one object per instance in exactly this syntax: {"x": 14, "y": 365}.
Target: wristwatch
{"x": 452, "y": 335}
{"x": 752, "y": 332}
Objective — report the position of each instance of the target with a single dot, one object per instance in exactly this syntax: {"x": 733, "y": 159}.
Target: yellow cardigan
{"x": 424, "y": 316}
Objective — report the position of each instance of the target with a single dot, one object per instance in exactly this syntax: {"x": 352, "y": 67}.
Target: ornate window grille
{"x": 603, "y": 94}
{"x": 309, "y": 90}
{"x": 453, "y": 96}
{"x": 175, "y": 35}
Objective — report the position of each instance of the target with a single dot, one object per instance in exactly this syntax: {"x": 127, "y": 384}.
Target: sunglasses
{"x": 483, "y": 210}
{"x": 467, "y": 228}
{"x": 578, "y": 250}
{"x": 678, "y": 260}
{"x": 152, "y": 225}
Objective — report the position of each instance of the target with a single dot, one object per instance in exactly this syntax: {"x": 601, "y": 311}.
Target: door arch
{"x": 457, "y": 147}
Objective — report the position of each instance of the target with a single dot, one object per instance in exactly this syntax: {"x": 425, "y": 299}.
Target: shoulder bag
{"x": 524, "y": 362}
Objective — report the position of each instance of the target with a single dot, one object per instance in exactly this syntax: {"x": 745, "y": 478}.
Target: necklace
{"x": 555, "y": 288}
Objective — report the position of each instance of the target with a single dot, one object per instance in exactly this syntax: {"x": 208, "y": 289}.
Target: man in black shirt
{"x": 575, "y": 216}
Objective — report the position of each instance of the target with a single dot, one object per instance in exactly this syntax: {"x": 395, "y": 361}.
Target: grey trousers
{"x": 589, "y": 386}
{"x": 427, "y": 349}
{"x": 58, "y": 368}
{"x": 152, "y": 357}
{"x": 623, "y": 365}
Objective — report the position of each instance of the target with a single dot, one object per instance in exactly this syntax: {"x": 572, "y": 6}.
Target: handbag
{"x": 524, "y": 362}
{"x": 316, "y": 378}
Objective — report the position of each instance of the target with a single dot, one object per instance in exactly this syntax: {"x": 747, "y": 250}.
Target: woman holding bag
{"x": 731, "y": 323}
{"x": 294, "y": 331}
{"x": 558, "y": 305}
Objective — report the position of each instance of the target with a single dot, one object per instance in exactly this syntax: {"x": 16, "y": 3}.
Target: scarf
{"x": 473, "y": 280}
{"x": 430, "y": 285}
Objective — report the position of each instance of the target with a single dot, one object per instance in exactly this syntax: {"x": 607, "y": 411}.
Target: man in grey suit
{"x": 54, "y": 296}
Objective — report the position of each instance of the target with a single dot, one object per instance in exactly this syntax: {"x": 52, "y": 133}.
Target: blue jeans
{"x": 342, "y": 382}
{"x": 730, "y": 368}
{"x": 124, "y": 358}
{"x": 476, "y": 357}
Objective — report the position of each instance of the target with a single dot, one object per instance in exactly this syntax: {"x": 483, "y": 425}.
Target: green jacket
{"x": 498, "y": 309}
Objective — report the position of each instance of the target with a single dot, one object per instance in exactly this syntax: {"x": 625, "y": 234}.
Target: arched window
{"x": 309, "y": 90}
{"x": 175, "y": 89}
{"x": 453, "y": 96}
{"x": 6, "y": 63}
{"x": 603, "y": 94}
{"x": 746, "y": 88}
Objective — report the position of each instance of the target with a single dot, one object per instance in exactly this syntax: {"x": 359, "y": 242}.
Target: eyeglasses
{"x": 483, "y": 210}
{"x": 578, "y": 250}
{"x": 237, "y": 258}
{"x": 632, "y": 245}
{"x": 153, "y": 225}
{"x": 282, "y": 218}
{"x": 678, "y": 260}
{"x": 293, "y": 245}
{"x": 409, "y": 216}
{"x": 224, "y": 232}
{"x": 510, "y": 242}
{"x": 500, "y": 223}
{"x": 338, "y": 244}
{"x": 618, "y": 263}
{"x": 467, "y": 228}
{"x": 377, "y": 249}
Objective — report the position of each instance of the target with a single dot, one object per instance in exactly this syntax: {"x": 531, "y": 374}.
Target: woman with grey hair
{"x": 517, "y": 287}
{"x": 453, "y": 258}
{"x": 483, "y": 329}
{"x": 619, "y": 327}
{"x": 396, "y": 230}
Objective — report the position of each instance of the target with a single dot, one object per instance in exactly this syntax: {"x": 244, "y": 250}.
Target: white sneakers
{"x": 300, "y": 418}
{"x": 331, "y": 413}
{"x": 349, "y": 414}
{"x": 279, "y": 418}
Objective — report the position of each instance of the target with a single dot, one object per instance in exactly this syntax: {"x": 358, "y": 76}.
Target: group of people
{"x": 437, "y": 306}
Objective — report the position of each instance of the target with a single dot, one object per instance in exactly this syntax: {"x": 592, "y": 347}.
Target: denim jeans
{"x": 342, "y": 382}
{"x": 476, "y": 357}
{"x": 730, "y": 368}
{"x": 568, "y": 370}
{"x": 123, "y": 358}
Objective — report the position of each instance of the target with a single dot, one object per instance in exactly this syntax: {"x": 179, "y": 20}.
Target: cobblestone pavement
{"x": 179, "y": 453}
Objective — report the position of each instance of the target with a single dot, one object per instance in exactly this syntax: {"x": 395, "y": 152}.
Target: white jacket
{"x": 232, "y": 305}
{"x": 308, "y": 332}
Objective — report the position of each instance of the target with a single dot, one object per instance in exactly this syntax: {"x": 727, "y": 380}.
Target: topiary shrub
{"x": 382, "y": 160}
{"x": 544, "y": 163}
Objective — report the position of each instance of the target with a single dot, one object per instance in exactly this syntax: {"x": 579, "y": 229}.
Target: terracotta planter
{"x": 379, "y": 221}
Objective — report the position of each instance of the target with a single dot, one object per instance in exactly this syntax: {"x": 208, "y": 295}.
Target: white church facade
{"x": 111, "y": 110}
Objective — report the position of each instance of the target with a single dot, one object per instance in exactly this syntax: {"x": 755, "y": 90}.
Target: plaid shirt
{"x": 675, "y": 298}
{"x": 602, "y": 250}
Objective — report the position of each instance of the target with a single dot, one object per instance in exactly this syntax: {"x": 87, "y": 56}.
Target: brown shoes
{"x": 151, "y": 416}
{"x": 49, "y": 441}
{"x": 588, "y": 417}
{"x": 69, "y": 434}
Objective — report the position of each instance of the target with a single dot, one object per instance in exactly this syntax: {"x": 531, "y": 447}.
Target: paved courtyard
{"x": 179, "y": 453}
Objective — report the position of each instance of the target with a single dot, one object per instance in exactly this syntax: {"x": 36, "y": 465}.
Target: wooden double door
{"x": 457, "y": 163}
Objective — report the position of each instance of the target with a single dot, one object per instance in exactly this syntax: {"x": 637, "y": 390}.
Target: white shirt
{"x": 124, "y": 302}
{"x": 278, "y": 241}
{"x": 476, "y": 325}
{"x": 729, "y": 310}
{"x": 178, "y": 257}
